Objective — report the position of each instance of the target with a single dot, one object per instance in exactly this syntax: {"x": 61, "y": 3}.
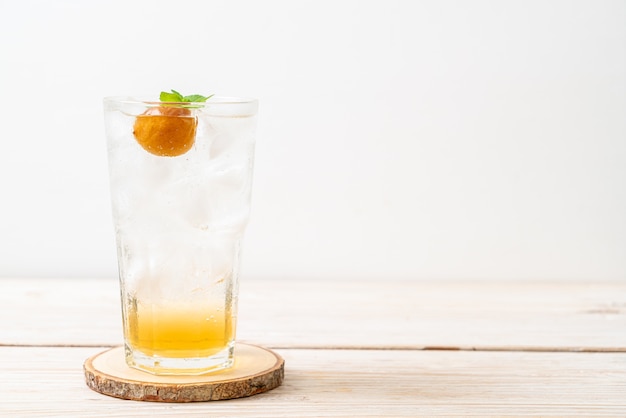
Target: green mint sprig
{"x": 176, "y": 97}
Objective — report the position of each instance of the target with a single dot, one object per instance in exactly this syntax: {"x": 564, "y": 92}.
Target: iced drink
{"x": 180, "y": 176}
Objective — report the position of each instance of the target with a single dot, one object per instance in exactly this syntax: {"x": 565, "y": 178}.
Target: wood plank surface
{"x": 48, "y": 381}
{"x": 351, "y": 348}
{"x": 543, "y": 316}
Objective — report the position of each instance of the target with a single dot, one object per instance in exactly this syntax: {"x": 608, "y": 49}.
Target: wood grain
{"x": 48, "y": 381}
{"x": 502, "y": 315}
{"x": 371, "y": 349}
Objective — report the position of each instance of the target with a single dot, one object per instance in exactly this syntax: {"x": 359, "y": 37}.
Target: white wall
{"x": 397, "y": 139}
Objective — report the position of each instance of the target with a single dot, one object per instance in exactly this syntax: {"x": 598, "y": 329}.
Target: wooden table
{"x": 352, "y": 348}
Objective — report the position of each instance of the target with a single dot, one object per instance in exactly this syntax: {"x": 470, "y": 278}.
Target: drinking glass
{"x": 179, "y": 215}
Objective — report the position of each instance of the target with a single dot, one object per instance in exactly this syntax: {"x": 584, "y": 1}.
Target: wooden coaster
{"x": 256, "y": 370}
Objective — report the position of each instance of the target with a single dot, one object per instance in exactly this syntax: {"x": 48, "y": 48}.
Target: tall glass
{"x": 180, "y": 177}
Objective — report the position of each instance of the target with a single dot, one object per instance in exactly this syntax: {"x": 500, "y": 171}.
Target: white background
{"x": 397, "y": 139}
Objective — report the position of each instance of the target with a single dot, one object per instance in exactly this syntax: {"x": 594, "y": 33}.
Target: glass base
{"x": 180, "y": 366}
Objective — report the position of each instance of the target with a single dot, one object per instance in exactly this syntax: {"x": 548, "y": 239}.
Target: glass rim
{"x": 214, "y": 100}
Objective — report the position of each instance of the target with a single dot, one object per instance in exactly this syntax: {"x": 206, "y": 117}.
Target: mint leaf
{"x": 174, "y": 96}
{"x": 196, "y": 98}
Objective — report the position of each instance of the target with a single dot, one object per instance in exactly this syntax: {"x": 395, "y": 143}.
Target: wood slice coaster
{"x": 256, "y": 370}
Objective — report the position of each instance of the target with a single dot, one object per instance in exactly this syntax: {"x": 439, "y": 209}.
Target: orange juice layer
{"x": 178, "y": 331}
